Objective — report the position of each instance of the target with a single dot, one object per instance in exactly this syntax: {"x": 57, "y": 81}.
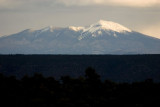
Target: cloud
{"x": 132, "y": 3}
{"x": 128, "y": 3}
{"x": 10, "y": 4}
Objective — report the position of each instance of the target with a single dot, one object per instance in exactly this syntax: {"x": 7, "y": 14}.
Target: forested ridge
{"x": 87, "y": 91}
{"x": 118, "y": 68}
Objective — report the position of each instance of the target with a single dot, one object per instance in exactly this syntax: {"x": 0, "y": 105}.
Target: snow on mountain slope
{"x": 102, "y": 27}
{"x": 76, "y": 28}
{"x": 106, "y": 25}
{"x": 103, "y": 37}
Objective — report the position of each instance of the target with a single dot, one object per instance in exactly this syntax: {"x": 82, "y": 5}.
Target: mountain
{"x": 103, "y": 37}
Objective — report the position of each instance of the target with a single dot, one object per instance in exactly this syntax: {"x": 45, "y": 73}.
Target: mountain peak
{"x": 76, "y": 28}
{"x": 102, "y": 22}
{"x": 109, "y": 25}
{"x": 49, "y": 28}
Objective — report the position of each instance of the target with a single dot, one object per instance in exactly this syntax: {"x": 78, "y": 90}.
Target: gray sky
{"x": 139, "y": 15}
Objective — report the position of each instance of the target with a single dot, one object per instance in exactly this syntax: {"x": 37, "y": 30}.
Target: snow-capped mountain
{"x": 103, "y": 37}
{"x": 103, "y": 26}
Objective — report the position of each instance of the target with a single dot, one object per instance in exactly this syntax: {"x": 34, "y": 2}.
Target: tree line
{"x": 87, "y": 91}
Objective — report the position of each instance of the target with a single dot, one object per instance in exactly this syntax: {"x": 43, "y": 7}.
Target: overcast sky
{"x": 139, "y": 15}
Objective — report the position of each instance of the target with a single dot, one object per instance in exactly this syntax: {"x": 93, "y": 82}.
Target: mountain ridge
{"x": 102, "y": 37}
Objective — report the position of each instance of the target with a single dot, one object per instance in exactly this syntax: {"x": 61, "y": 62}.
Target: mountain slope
{"x": 103, "y": 37}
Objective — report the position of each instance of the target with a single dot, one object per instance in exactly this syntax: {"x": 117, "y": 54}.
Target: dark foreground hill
{"x": 120, "y": 68}
{"x": 88, "y": 91}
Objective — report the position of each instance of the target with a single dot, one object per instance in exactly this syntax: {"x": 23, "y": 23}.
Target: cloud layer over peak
{"x": 128, "y": 3}
{"x": 132, "y": 3}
